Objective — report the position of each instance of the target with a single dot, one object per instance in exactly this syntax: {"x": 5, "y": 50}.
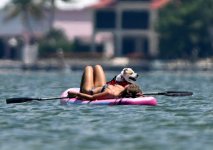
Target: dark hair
{"x": 132, "y": 90}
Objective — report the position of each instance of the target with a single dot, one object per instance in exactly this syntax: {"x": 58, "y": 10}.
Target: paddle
{"x": 171, "y": 93}
{"x": 27, "y": 99}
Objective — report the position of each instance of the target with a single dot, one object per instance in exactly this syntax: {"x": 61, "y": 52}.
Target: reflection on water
{"x": 176, "y": 123}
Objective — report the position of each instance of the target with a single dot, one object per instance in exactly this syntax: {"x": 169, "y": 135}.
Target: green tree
{"x": 184, "y": 29}
{"x": 52, "y": 42}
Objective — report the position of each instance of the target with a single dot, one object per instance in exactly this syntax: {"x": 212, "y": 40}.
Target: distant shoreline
{"x": 112, "y": 64}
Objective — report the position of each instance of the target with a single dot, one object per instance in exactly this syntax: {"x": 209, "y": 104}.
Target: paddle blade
{"x": 178, "y": 93}
{"x": 18, "y": 100}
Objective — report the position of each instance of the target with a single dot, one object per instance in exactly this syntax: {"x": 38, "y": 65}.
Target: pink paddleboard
{"x": 120, "y": 101}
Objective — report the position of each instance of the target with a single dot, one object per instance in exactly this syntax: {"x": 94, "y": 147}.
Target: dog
{"x": 127, "y": 76}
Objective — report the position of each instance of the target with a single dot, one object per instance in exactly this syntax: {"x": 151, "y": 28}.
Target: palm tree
{"x": 52, "y": 6}
{"x": 26, "y": 9}
{"x": 31, "y": 9}
{"x": 52, "y": 13}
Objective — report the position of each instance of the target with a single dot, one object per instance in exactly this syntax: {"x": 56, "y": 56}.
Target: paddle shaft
{"x": 171, "y": 93}
{"x": 27, "y": 99}
{"x": 161, "y": 93}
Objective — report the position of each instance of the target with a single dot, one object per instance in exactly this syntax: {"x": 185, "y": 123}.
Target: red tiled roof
{"x": 103, "y": 4}
{"x": 156, "y": 4}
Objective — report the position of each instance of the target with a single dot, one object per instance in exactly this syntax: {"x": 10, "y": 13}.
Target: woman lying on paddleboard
{"x": 94, "y": 86}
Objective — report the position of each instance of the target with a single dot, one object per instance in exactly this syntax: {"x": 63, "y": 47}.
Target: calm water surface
{"x": 177, "y": 123}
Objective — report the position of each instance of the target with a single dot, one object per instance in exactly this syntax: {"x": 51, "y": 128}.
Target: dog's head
{"x": 129, "y": 75}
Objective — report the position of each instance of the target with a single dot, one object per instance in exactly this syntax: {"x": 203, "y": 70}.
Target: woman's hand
{"x": 72, "y": 94}
{"x": 140, "y": 94}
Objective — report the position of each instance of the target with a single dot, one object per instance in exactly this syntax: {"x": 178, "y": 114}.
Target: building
{"x": 130, "y": 23}
{"x": 123, "y": 27}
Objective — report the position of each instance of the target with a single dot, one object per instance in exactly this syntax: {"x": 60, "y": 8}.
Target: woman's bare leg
{"x": 87, "y": 80}
{"x": 99, "y": 76}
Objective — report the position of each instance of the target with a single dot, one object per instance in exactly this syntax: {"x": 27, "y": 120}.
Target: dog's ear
{"x": 129, "y": 71}
{"x": 124, "y": 70}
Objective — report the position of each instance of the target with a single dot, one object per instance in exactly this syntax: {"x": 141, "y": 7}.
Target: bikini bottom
{"x": 91, "y": 92}
{"x": 104, "y": 88}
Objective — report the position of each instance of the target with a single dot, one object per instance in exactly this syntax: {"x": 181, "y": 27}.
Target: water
{"x": 177, "y": 123}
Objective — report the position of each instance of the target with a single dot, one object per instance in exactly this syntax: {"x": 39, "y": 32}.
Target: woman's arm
{"x": 80, "y": 95}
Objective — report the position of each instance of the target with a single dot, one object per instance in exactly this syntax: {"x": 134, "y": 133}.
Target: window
{"x": 135, "y": 45}
{"x": 105, "y": 19}
{"x": 128, "y": 45}
{"x": 135, "y": 20}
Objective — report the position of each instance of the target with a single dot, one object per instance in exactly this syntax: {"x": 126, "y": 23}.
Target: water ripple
{"x": 177, "y": 123}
